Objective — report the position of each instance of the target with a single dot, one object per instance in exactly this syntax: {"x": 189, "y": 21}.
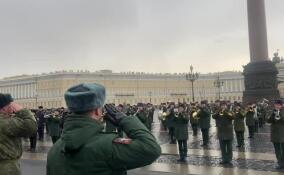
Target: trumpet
{"x": 195, "y": 114}
{"x": 250, "y": 109}
{"x": 277, "y": 115}
{"x": 176, "y": 114}
{"x": 225, "y": 112}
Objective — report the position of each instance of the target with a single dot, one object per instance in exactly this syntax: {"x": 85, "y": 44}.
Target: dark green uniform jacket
{"x": 54, "y": 126}
{"x": 204, "y": 118}
{"x": 143, "y": 117}
{"x": 12, "y": 129}
{"x": 277, "y": 128}
{"x": 170, "y": 119}
{"x": 224, "y": 125}
{"x": 181, "y": 127}
{"x": 239, "y": 122}
{"x": 193, "y": 121}
{"x": 84, "y": 150}
{"x": 250, "y": 121}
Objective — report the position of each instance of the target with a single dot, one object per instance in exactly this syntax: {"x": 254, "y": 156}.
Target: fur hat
{"x": 5, "y": 99}
{"x": 85, "y": 97}
{"x": 280, "y": 102}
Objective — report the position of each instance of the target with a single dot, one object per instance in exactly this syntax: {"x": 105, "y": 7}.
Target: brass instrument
{"x": 164, "y": 115}
{"x": 221, "y": 113}
{"x": 249, "y": 109}
{"x": 177, "y": 114}
{"x": 224, "y": 111}
{"x": 195, "y": 114}
{"x": 277, "y": 115}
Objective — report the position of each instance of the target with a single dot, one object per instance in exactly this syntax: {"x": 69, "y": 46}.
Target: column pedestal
{"x": 260, "y": 81}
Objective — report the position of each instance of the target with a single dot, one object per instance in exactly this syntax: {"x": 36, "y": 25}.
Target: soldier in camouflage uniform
{"x": 15, "y": 124}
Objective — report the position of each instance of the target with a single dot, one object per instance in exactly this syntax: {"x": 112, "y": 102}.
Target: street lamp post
{"x": 150, "y": 95}
{"x": 218, "y": 84}
{"x": 192, "y": 77}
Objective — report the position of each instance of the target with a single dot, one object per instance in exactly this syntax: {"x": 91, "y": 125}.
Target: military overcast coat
{"x": 250, "y": 121}
{"x": 12, "y": 129}
{"x": 181, "y": 127}
{"x": 143, "y": 117}
{"x": 84, "y": 150}
{"x": 204, "y": 118}
{"x": 277, "y": 128}
{"x": 54, "y": 126}
{"x": 224, "y": 125}
{"x": 239, "y": 122}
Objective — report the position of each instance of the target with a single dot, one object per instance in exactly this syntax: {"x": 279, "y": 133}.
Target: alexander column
{"x": 260, "y": 74}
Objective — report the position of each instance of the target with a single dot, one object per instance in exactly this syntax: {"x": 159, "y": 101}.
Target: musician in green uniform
{"x": 194, "y": 121}
{"x": 150, "y": 111}
{"x": 53, "y": 122}
{"x": 225, "y": 133}
{"x": 170, "y": 122}
{"x": 262, "y": 114}
{"x": 250, "y": 121}
{"x": 277, "y": 130}
{"x": 181, "y": 121}
{"x": 239, "y": 125}
{"x": 142, "y": 115}
{"x": 204, "y": 117}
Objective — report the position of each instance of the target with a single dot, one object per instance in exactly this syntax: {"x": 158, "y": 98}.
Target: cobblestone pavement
{"x": 260, "y": 148}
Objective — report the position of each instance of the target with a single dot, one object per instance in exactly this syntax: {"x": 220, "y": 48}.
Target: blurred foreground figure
{"x": 277, "y": 128}
{"x": 84, "y": 149}
{"x": 15, "y": 123}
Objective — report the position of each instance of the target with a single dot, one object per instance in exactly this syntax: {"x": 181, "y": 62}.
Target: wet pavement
{"x": 257, "y": 157}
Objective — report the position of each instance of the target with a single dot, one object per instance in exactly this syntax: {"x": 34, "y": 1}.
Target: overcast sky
{"x": 129, "y": 35}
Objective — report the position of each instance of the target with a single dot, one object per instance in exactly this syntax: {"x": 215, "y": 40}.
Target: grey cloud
{"x": 136, "y": 35}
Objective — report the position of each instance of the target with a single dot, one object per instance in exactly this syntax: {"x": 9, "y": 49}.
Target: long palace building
{"x": 130, "y": 88}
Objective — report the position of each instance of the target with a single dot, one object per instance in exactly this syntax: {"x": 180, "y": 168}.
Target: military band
{"x": 230, "y": 118}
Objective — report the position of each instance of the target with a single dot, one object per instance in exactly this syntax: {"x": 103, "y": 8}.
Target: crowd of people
{"x": 124, "y": 131}
{"x": 231, "y": 119}
{"x": 51, "y": 121}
